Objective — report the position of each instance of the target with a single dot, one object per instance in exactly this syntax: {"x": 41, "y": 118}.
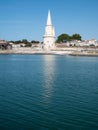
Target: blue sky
{"x": 26, "y": 19}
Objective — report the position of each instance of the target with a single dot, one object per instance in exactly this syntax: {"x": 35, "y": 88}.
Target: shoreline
{"x": 57, "y": 51}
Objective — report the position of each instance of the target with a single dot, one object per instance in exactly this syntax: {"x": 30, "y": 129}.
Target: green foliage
{"x": 29, "y": 44}
{"x": 33, "y": 41}
{"x": 25, "y": 41}
{"x": 65, "y": 37}
{"x": 17, "y": 42}
{"x": 76, "y": 37}
{"x": 62, "y": 38}
{"x": 11, "y": 41}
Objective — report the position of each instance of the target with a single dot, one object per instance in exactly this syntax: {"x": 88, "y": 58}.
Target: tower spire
{"x": 49, "y": 18}
{"x": 49, "y": 36}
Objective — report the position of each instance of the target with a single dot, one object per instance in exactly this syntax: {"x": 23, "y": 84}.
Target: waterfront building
{"x": 5, "y": 45}
{"x": 49, "y": 36}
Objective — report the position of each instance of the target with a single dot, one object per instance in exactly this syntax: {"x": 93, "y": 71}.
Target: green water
{"x": 48, "y": 92}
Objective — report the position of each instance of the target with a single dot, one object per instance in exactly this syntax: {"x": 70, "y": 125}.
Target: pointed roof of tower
{"x": 49, "y": 22}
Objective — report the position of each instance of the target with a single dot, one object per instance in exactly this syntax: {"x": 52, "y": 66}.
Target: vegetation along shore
{"x": 65, "y": 45}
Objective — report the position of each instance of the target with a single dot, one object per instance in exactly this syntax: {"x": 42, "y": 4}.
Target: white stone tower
{"x": 49, "y": 36}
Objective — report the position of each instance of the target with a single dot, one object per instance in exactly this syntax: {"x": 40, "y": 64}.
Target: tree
{"x": 63, "y": 38}
{"x": 17, "y": 42}
{"x": 28, "y": 44}
{"x": 11, "y": 41}
{"x": 76, "y": 37}
{"x": 33, "y": 41}
{"x": 25, "y": 41}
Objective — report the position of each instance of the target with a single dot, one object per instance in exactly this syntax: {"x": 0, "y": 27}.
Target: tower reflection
{"x": 49, "y": 75}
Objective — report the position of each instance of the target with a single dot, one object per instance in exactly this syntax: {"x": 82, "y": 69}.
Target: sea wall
{"x": 61, "y": 51}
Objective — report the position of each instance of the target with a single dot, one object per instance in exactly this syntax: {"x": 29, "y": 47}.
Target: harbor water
{"x": 48, "y": 92}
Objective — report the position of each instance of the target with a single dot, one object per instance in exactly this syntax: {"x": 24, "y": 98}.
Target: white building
{"x": 49, "y": 36}
{"x": 88, "y": 43}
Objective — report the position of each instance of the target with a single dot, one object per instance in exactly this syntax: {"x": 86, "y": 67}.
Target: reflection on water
{"x": 48, "y": 71}
{"x": 47, "y": 92}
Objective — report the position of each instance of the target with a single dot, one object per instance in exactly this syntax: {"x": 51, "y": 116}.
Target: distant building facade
{"x": 77, "y": 43}
{"x": 5, "y": 45}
